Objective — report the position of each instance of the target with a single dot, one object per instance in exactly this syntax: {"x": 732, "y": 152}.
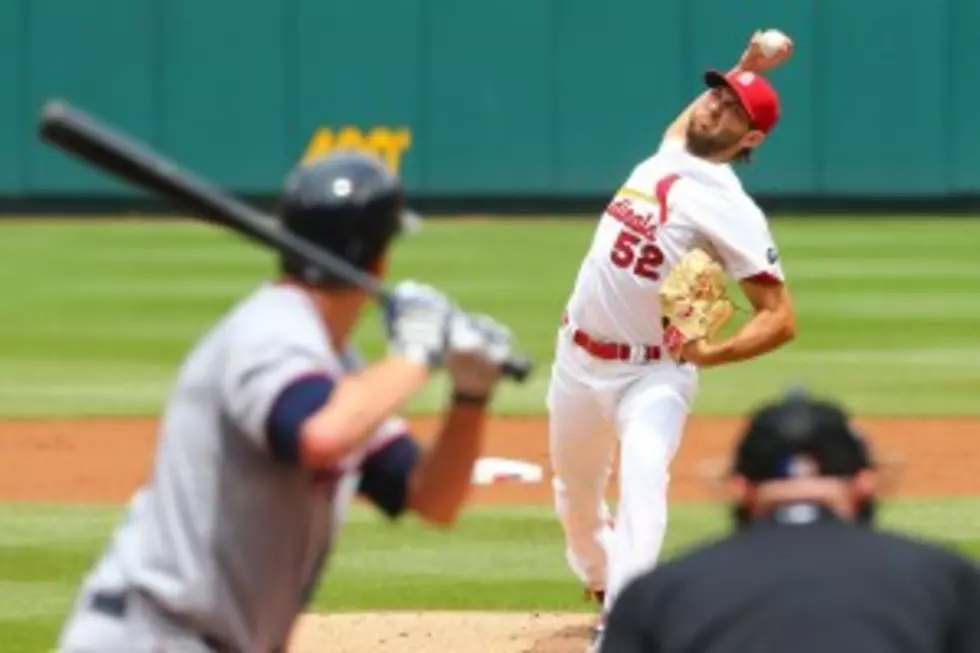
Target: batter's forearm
{"x": 765, "y": 332}
{"x": 357, "y": 406}
{"x": 442, "y": 481}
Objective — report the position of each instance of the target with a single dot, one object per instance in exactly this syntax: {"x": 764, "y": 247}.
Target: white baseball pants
{"x": 593, "y": 403}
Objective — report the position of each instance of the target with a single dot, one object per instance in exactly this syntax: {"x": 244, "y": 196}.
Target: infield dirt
{"x": 104, "y": 460}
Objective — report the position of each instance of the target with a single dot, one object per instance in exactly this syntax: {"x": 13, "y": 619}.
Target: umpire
{"x": 804, "y": 570}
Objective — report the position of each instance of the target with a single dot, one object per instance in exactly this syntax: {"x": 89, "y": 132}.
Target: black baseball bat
{"x": 108, "y": 149}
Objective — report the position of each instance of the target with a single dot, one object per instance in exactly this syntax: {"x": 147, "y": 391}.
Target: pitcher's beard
{"x": 704, "y": 145}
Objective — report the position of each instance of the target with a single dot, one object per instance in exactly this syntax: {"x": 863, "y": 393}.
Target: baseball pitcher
{"x": 274, "y": 425}
{"x": 642, "y": 317}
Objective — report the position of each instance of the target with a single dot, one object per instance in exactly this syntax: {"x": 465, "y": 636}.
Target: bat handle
{"x": 517, "y": 368}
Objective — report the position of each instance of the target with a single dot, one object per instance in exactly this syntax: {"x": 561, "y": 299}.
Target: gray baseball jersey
{"x": 225, "y": 535}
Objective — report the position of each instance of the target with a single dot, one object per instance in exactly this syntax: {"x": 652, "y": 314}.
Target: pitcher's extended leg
{"x": 581, "y": 444}
{"x": 649, "y": 434}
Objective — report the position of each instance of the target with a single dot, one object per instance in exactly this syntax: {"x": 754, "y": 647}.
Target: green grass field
{"x": 496, "y": 559}
{"x": 95, "y": 318}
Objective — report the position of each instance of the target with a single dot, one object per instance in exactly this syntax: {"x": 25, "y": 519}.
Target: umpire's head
{"x": 802, "y": 450}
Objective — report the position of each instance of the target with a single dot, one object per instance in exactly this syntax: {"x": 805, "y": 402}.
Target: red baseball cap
{"x": 757, "y": 95}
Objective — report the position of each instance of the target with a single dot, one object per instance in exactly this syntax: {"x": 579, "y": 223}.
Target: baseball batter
{"x": 613, "y": 364}
{"x": 274, "y": 425}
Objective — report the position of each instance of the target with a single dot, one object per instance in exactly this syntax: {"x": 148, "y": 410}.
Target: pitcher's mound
{"x": 443, "y": 632}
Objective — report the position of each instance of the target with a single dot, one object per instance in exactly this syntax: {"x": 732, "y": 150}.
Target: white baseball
{"x": 772, "y": 41}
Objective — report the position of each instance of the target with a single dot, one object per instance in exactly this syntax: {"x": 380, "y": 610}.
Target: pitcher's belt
{"x": 613, "y": 351}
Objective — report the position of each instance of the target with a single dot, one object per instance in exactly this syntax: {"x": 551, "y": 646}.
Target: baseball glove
{"x": 694, "y": 300}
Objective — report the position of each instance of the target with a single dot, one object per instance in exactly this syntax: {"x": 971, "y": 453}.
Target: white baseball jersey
{"x": 223, "y": 535}
{"x": 671, "y": 203}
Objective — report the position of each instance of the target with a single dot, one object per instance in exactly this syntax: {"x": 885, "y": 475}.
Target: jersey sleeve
{"x": 391, "y": 428}
{"x": 271, "y": 380}
{"x": 672, "y": 145}
{"x": 736, "y": 230}
{"x": 391, "y": 457}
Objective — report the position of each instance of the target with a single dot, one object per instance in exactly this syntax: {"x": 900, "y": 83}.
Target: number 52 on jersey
{"x": 634, "y": 248}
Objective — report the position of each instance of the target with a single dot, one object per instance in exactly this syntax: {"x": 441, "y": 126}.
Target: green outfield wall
{"x": 526, "y": 98}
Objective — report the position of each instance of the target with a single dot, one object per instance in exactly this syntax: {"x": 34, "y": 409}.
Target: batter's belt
{"x": 115, "y": 604}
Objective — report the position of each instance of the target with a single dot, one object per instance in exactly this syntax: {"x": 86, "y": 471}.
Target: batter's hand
{"x": 755, "y": 60}
{"x": 418, "y": 323}
{"x": 478, "y": 346}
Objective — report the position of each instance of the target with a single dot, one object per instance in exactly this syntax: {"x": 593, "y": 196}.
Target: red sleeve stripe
{"x": 662, "y": 189}
{"x": 764, "y": 278}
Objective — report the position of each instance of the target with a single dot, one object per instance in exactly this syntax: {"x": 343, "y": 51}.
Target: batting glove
{"x": 478, "y": 346}
{"x": 418, "y": 323}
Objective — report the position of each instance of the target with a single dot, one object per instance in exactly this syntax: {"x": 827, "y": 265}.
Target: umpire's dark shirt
{"x": 820, "y": 586}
